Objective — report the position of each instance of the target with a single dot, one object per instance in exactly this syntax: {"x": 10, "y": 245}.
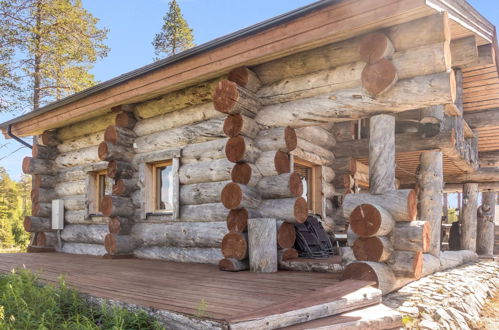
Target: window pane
{"x": 164, "y": 189}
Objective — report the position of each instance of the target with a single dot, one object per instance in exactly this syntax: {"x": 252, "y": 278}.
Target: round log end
{"x": 237, "y": 220}
{"x": 233, "y": 125}
{"x": 301, "y": 210}
{"x": 286, "y": 235}
{"x": 125, "y": 119}
{"x": 227, "y": 265}
{"x": 418, "y": 264}
{"x": 426, "y": 237}
{"x": 360, "y": 271}
{"x": 35, "y": 209}
{"x": 119, "y": 187}
{"x": 112, "y": 169}
{"x": 27, "y": 224}
{"x": 35, "y": 151}
{"x": 288, "y": 254}
{"x": 239, "y": 75}
{"x": 114, "y": 225}
{"x": 231, "y": 196}
{"x": 111, "y": 134}
{"x": 234, "y": 245}
{"x": 35, "y": 195}
{"x": 49, "y": 138}
{"x": 110, "y": 243}
{"x": 107, "y": 206}
{"x": 27, "y": 165}
{"x": 365, "y": 220}
{"x": 290, "y": 138}
{"x": 295, "y": 184}
{"x": 41, "y": 239}
{"x": 379, "y": 77}
{"x": 453, "y": 86}
{"x": 235, "y": 149}
{"x": 241, "y": 173}
{"x": 374, "y": 47}
{"x": 412, "y": 205}
{"x": 282, "y": 162}
{"x": 368, "y": 249}
{"x": 102, "y": 150}
{"x": 225, "y": 96}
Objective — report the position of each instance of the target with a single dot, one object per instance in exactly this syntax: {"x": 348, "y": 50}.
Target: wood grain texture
{"x": 262, "y": 245}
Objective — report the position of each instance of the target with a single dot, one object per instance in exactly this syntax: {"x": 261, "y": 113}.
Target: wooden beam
{"x": 485, "y": 224}
{"x": 381, "y": 154}
{"x": 482, "y": 119}
{"x": 489, "y": 158}
{"x": 484, "y": 174}
{"x": 468, "y": 220}
{"x": 484, "y": 186}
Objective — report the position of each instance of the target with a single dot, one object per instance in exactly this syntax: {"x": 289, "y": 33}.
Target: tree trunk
{"x": 209, "y": 171}
{"x": 468, "y": 220}
{"x": 262, "y": 245}
{"x": 412, "y": 236}
{"x": 233, "y": 265}
{"x": 281, "y": 186}
{"x": 372, "y": 249}
{"x": 235, "y": 125}
{"x": 381, "y": 154}
{"x": 235, "y": 245}
{"x": 368, "y": 220}
{"x": 485, "y": 224}
{"x": 293, "y": 210}
{"x": 430, "y": 183}
{"x": 202, "y": 193}
{"x": 235, "y": 196}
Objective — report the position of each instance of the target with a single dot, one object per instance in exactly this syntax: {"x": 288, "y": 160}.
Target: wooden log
{"x": 381, "y": 154}
{"x": 372, "y": 248}
{"x": 119, "y": 244}
{"x": 325, "y": 156}
{"x": 406, "y": 263}
{"x": 407, "y": 94}
{"x": 279, "y": 138}
{"x": 485, "y": 224}
{"x": 120, "y": 225}
{"x": 273, "y": 163}
{"x": 46, "y": 239}
{"x": 83, "y": 248}
{"x": 179, "y": 234}
{"x": 464, "y": 52}
{"x": 351, "y": 236}
{"x": 81, "y": 142}
{"x": 80, "y": 217}
{"x": 119, "y": 135}
{"x": 489, "y": 158}
{"x": 431, "y": 121}
{"x": 281, "y": 186}
{"x": 71, "y": 188}
{"x": 293, "y": 210}
{"x": 262, "y": 243}
{"x": 286, "y": 234}
{"x": 208, "y": 171}
{"x": 108, "y": 151}
{"x": 233, "y": 265}
{"x": 117, "y": 169}
{"x": 235, "y": 245}
{"x": 124, "y": 187}
{"x": 41, "y": 210}
{"x": 178, "y": 254}
{"x": 43, "y": 181}
{"x": 452, "y": 259}
{"x": 328, "y": 190}
{"x": 328, "y": 174}
{"x": 201, "y": 193}
{"x": 50, "y": 138}
{"x": 78, "y": 157}
{"x": 211, "y": 212}
{"x": 34, "y": 224}
{"x": 317, "y": 135}
{"x": 200, "y": 152}
{"x": 377, "y": 78}
{"x": 41, "y": 195}
{"x": 469, "y": 217}
{"x": 431, "y": 264}
{"x": 236, "y": 196}
{"x": 84, "y": 233}
{"x": 246, "y": 173}
{"x": 44, "y": 152}
{"x": 430, "y": 184}
{"x": 237, "y": 220}
{"x": 401, "y": 204}
{"x": 241, "y": 149}
{"x": 125, "y": 119}
{"x": 207, "y": 130}
{"x": 230, "y": 98}
{"x": 246, "y": 78}
{"x": 375, "y": 47}
{"x": 484, "y": 174}
{"x": 75, "y": 203}
{"x": 286, "y": 254}
{"x": 368, "y": 220}
{"x": 38, "y": 166}
{"x": 412, "y": 236}
{"x": 89, "y": 126}
{"x": 116, "y": 206}
{"x": 235, "y": 125}
{"x": 371, "y": 271}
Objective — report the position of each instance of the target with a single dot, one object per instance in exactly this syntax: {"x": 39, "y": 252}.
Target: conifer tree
{"x": 175, "y": 35}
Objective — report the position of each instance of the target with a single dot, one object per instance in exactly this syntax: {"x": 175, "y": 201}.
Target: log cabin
{"x": 363, "y": 112}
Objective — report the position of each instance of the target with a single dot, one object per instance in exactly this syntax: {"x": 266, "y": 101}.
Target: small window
{"x": 99, "y": 186}
{"x": 311, "y": 179}
{"x": 162, "y": 179}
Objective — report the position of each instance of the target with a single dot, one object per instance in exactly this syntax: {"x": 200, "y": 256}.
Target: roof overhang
{"x": 308, "y": 27}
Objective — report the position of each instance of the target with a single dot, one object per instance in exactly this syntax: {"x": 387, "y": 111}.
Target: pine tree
{"x": 175, "y": 35}
{"x": 55, "y": 43}
{"x": 8, "y": 207}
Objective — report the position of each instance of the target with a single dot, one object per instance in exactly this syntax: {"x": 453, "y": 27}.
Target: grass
{"x": 26, "y": 304}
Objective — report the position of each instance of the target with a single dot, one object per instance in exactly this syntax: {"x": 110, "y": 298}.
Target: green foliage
{"x": 25, "y": 304}
{"x": 201, "y": 308}
{"x": 14, "y": 205}
{"x": 48, "y": 48}
{"x": 175, "y": 35}
{"x": 452, "y": 216}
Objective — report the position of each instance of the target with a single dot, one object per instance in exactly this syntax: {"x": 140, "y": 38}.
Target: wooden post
{"x": 468, "y": 219}
{"x": 485, "y": 224}
{"x": 262, "y": 244}
{"x": 430, "y": 181}
{"x": 445, "y": 209}
{"x": 381, "y": 154}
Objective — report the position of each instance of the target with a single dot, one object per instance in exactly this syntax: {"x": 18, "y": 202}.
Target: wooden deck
{"x": 175, "y": 287}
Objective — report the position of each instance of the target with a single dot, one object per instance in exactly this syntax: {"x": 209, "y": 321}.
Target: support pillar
{"x": 430, "y": 182}
{"x": 445, "y": 209}
{"x": 381, "y": 154}
{"x": 468, "y": 219}
{"x": 485, "y": 224}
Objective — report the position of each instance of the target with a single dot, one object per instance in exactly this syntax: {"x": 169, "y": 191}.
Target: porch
{"x": 201, "y": 296}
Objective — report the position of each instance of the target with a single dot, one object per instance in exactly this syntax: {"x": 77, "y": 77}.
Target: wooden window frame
{"x": 315, "y": 189}
{"x": 153, "y": 206}
{"x": 94, "y": 196}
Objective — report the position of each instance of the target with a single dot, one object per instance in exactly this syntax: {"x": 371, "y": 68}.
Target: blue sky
{"x": 133, "y": 23}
